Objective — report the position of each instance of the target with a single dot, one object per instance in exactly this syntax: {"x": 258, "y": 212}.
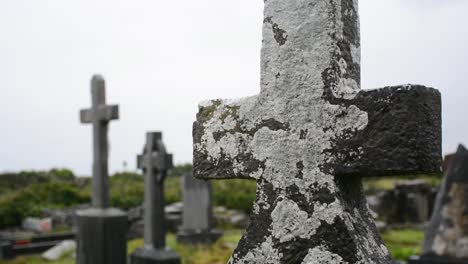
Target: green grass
{"x": 210, "y": 254}
{"x": 388, "y": 183}
{"x": 402, "y": 243}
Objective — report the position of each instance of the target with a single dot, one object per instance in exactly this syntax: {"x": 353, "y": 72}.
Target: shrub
{"x": 30, "y": 201}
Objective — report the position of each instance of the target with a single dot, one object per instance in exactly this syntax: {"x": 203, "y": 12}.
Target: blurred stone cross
{"x": 99, "y": 115}
{"x": 101, "y": 231}
{"x": 155, "y": 162}
{"x": 311, "y": 134}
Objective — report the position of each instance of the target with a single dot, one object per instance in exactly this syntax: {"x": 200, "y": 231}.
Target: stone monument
{"x": 197, "y": 219}
{"x": 101, "y": 231}
{"x": 154, "y": 162}
{"x": 311, "y": 134}
{"x": 446, "y": 240}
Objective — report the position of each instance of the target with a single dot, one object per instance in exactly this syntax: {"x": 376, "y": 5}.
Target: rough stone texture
{"x": 197, "y": 224}
{"x": 154, "y": 162}
{"x": 101, "y": 236}
{"x": 311, "y": 134}
{"x": 447, "y": 234}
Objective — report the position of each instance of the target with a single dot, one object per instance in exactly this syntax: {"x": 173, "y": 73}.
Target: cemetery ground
{"x": 401, "y": 242}
{"x": 29, "y": 193}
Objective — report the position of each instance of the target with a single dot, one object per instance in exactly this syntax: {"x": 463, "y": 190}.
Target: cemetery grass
{"x": 402, "y": 243}
{"x": 217, "y": 253}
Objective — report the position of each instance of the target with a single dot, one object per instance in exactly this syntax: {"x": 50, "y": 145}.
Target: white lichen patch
{"x": 265, "y": 253}
{"x": 290, "y": 222}
{"x": 319, "y": 255}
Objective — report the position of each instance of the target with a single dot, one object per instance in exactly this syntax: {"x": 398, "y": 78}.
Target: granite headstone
{"x": 197, "y": 220}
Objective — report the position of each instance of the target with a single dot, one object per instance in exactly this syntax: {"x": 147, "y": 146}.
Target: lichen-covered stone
{"x": 447, "y": 235}
{"x": 310, "y": 135}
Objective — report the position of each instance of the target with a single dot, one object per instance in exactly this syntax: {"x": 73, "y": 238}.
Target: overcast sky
{"x": 160, "y": 58}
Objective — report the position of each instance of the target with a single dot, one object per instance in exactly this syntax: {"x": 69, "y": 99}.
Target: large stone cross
{"x": 154, "y": 162}
{"x": 311, "y": 134}
{"x": 99, "y": 115}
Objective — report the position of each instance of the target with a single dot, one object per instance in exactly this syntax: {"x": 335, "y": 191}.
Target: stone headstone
{"x": 155, "y": 162}
{"x": 409, "y": 202}
{"x": 413, "y": 198}
{"x": 446, "y": 239}
{"x": 197, "y": 221}
{"x": 101, "y": 231}
{"x": 310, "y": 135}
{"x": 447, "y": 159}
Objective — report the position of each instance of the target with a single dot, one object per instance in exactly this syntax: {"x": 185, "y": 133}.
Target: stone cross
{"x": 311, "y": 134}
{"x": 154, "y": 162}
{"x": 197, "y": 217}
{"x": 101, "y": 232}
{"x": 100, "y": 115}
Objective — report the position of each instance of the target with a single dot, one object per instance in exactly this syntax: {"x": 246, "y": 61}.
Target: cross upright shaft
{"x": 99, "y": 115}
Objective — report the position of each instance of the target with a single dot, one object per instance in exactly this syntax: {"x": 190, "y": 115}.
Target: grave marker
{"x": 154, "y": 162}
{"x": 310, "y": 135}
{"x": 101, "y": 231}
{"x": 197, "y": 219}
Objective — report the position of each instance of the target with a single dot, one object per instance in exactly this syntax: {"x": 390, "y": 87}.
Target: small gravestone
{"x": 311, "y": 134}
{"x": 197, "y": 220}
{"x": 154, "y": 162}
{"x": 413, "y": 199}
{"x": 446, "y": 240}
{"x": 101, "y": 231}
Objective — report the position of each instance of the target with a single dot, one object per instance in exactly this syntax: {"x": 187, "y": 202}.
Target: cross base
{"x": 435, "y": 260}
{"x": 101, "y": 236}
{"x": 194, "y": 237}
{"x": 6, "y": 249}
{"x": 154, "y": 256}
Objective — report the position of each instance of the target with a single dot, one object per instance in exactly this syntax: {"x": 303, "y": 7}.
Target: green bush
{"x": 403, "y": 243}
{"x": 127, "y": 190}
{"x": 30, "y": 201}
{"x": 234, "y": 194}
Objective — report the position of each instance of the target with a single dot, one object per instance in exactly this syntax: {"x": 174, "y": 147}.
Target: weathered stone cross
{"x": 154, "y": 162}
{"x": 310, "y": 136}
{"x": 99, "y": 115}
{"x": 101, "y": 231}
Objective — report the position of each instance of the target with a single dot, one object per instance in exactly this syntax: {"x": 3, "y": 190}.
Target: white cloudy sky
{"x": 160, "y": 58}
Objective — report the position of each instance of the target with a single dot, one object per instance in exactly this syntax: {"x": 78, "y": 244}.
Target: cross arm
{"x": 155, "y": 151}
{"x": 104, "y": 113}
{"x": 403, "y": 135}
{"x": 222, "y": 138}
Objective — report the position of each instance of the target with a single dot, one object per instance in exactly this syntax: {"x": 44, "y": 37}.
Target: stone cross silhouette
{"x": 311, "y": 134}
{"x": 100, "y": 115}
{"x": 154, "y": 162}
